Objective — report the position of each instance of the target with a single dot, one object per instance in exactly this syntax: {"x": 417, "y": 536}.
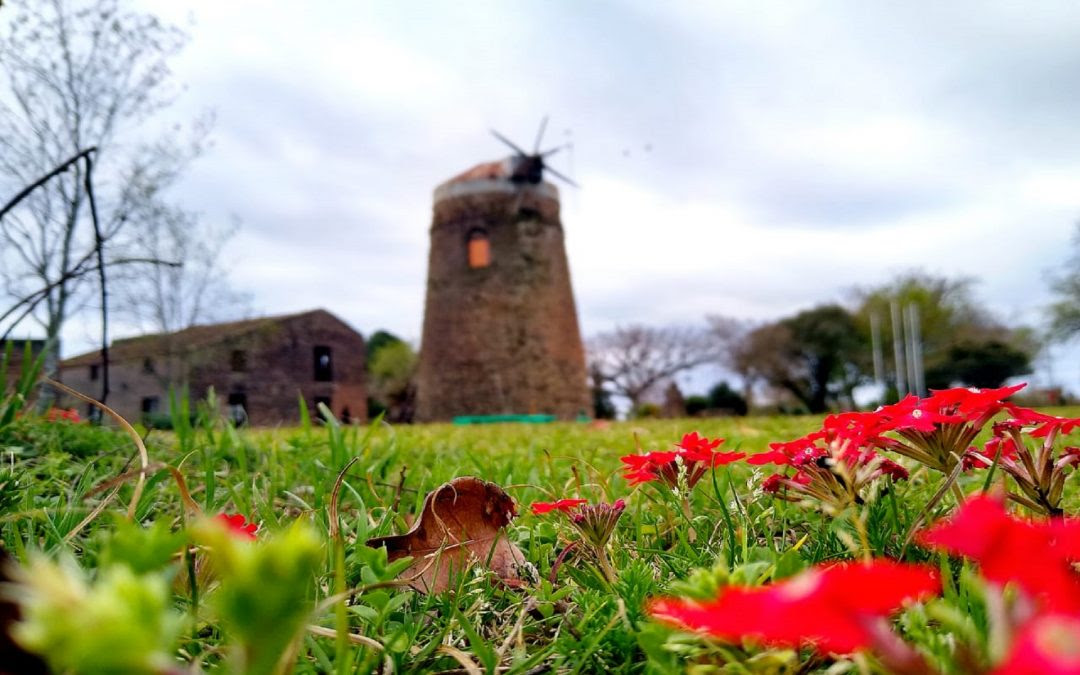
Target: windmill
{"x": 500, "y": 332}
{"x": 528, "y": 168}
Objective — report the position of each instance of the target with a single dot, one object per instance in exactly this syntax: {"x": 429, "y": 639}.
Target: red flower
{"x": 775, "y": 482}
{"x": 62, "y": 414}
{"x": 564, "y": 505}
{"x": 769, "y": 457}
{"x": 1045, "y": 424}
{"x": 1047, "y": 645}
{"x": 238, "y": 525}
{"x": 1035, "y": 555}
{"x": 973, "y": 402}
{"x": 887, "y": 467}
{"x": 595, "y": 522}
{"x": 837, "y": 609}
{"x": 694, "y": 444}
{"x": 692, "y": 457}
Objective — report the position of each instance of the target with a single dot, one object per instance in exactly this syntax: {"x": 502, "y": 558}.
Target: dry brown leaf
{"x": 462, "y": 523}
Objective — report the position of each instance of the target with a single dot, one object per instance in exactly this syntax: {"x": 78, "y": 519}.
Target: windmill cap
{"x": 489, "y": 177}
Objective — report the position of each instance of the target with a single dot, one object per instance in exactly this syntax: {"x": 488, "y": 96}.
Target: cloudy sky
{"x": 742, "y": 158}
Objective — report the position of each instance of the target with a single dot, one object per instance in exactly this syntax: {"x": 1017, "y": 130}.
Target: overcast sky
{"x": 742, "y": 158}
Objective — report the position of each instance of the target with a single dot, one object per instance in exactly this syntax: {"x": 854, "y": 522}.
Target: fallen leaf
{"x": 461, "y": 524}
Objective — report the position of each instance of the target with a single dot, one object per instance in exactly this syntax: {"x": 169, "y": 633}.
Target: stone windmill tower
{"x": 500, "y": 332}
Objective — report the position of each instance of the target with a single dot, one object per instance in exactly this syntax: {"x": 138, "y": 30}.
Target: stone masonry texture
{"x": 502, "y": 338}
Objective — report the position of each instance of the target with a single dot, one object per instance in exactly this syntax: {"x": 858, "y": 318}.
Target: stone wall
{"x": 503, "y": 338}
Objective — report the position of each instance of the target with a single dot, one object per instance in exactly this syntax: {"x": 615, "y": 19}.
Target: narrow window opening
{"x": 479, "y": 249}
{"x": 238, "y": 361}
{"x": 324, "y": 368}
{"x": 94, "y": 372}
{"x": 150, "y": 404}
{"x": 148, "y": 366}
{"x": 238, "y": 408}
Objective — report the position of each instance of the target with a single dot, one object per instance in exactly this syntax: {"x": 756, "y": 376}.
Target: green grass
{"x": 567, "y": 621}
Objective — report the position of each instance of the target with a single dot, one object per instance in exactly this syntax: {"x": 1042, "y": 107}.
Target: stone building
{"x": 500, "y": 326}
{"x": 259, "y": 368}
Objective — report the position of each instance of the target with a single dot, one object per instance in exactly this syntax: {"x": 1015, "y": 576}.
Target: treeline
{"x": 813, "y": 360}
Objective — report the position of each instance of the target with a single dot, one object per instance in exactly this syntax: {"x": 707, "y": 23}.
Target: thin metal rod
{"x": 910, "y": 341}
{"x": 917, "y": 354}
{"x": 875, "y": 347}
{"x": 898, "y": 348}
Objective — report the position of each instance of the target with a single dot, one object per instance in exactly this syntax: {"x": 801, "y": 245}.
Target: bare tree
{"x": 734, "y": 351}
{"x": 80, "y": 74}
{"x": 634, "y": 359}
{"x": 170, "y": 298}
{"x": 166, "y": 299}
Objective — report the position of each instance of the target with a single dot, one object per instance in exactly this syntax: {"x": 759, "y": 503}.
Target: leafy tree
{"x": 949, "y": 315}
{"x": 723, "y": 397}
{"x": 696, "y": 404}
{"x": 982, "y": 364}
{"x": 377, "y": 341}
{"x": 80, "y": 75}
{"x": 812, "y": 355}
{"x": 391, "y": 374}
{"x": 824, "y": 349}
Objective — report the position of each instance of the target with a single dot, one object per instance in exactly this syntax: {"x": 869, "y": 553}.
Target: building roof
{"x": 485, "y": 171}
{"x": 491, "y": 177}
{"x": 195, "y": 337}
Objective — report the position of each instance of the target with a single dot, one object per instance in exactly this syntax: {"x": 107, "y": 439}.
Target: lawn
{"x": 162, "y": 585}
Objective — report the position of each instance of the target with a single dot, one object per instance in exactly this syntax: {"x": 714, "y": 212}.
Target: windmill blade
{"x": 548, "y": 153}
{"x": 540, "y": 134}
{"x": 506, "y": 140}
{"x": 560, "y": 176}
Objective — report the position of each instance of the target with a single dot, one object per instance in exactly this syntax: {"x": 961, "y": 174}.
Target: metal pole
{"x": 917, "y": 350}
{"x": 875, "y": 346}
{"x": 898, "y": 348}
{"x": 909, "y": 341}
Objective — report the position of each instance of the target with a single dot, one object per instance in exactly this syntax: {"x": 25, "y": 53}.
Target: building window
{"x": 150, "y": 404}
{"x": 94, "y": 372}
{"x": 479, "y": 249}
{"x": 238, "y": 408}
{"x": 324, "y": 371}
{"x": 148, "y": 366}
{"x": 238, "y": 361}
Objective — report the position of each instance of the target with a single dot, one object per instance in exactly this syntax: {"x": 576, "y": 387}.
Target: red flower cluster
{"x": 595, "y": 522}
{"x": 834, "y": 475}
{"x": 936, "y": 431}
{"x": 64, "y": 415}
{"x": 1037, "y": 556}
{"x": 836, "y": 608}
{"x": 691, "y": 459}
{"x": 1039, "y": 472}
{"x": 238, "y": 525}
